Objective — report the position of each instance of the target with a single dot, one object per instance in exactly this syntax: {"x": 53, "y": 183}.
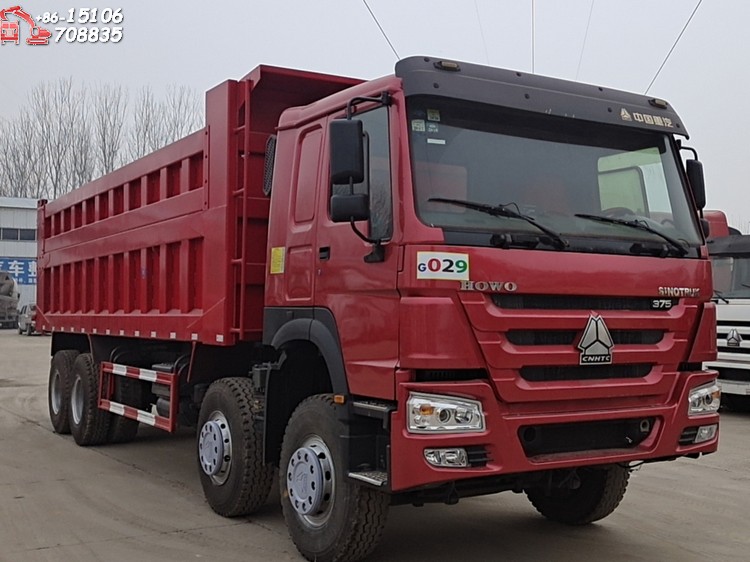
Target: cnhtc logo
{"x": 596, "y": 343}
{"x": 734, "y": 338}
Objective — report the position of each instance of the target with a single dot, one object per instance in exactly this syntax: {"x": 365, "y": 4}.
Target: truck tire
{"x": 58, "y": 389}
{"x": 329, "y": 516}
{"x": 736, "y": 403}
{"x": 234, "y": 477}
{"x": 88, "y": 424}
{"x": 600, "y": 492}
{"x": 133, "y": 393}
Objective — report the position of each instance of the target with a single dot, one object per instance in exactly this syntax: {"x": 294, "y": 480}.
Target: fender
{"x": 316, "y": 325}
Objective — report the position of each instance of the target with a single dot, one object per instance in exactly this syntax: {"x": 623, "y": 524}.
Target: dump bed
{"x": 173, "y": 246}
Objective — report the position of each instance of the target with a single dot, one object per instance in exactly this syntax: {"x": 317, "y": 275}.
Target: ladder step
{"x": 376, "y": 478}
{"x": 135, "y": 414}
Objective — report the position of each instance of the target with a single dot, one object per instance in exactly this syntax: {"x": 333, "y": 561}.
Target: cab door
{"x": 360, "y": 294}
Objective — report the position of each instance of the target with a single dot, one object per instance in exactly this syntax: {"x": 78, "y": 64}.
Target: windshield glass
{"x": 731, "y": 276}
{"x": 549, "y": 169}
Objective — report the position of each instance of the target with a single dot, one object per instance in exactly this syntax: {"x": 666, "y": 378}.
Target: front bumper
{"x": 505, "y": 440}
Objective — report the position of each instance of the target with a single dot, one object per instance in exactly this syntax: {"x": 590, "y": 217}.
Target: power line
{"x": 533, "y": 38}
{"x": 585, "y": 37}
{"x": 673, "y": 46}
{"x": 380, "y": 27}
{"x": 481, "y": 32}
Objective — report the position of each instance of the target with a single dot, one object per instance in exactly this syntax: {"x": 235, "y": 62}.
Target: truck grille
{"x": 572, "y": 302}
{"x": 585, "y": 436}
{"x": 568, "y": 337}
{"x": 530, "y": 339}
{"x": 584, "y": 372}
{"x": 723, "y": 340}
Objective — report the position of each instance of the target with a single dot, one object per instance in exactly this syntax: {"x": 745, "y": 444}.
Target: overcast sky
{"x": 200, "y": 44}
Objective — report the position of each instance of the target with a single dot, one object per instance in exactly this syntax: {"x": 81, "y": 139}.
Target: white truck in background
{"x": 730, "y": 259}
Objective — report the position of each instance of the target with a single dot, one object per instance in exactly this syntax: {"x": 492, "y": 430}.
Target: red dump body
{"x": 173, "y": 246}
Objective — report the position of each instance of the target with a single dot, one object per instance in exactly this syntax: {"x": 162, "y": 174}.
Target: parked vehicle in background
{"x": 451, "y": 281}
{"x": 8, "y": 301}
{"x": 729, "y": 250}
{"x": 27, "y": 319}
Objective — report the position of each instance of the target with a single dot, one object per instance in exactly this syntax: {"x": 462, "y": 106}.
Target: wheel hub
{"x": 56, "y": 392}
{"x": 215, "y": 448}
{"x": 310, "y": 482}
{"x": 76, "y": 401}
{"x": 305, "y": 481}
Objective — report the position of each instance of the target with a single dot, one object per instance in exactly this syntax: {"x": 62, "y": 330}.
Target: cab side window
{"x": 378, "y": 172}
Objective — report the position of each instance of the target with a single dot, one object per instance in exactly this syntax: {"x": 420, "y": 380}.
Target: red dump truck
{"x": 451, "y": 281}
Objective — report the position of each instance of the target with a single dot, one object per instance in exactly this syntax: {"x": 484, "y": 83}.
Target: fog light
{"x": 452, "y": 458}
{"x": 706, "y": 433}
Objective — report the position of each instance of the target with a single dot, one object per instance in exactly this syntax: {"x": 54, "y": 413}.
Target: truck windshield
{"x": 565, "y": 174}
{"x": 731, "y": 276}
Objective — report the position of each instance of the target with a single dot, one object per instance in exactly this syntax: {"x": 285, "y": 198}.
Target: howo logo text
{"x": 596, "y": 343}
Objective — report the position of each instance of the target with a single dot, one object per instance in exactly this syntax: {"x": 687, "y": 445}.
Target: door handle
{"x": 324, "y": 253}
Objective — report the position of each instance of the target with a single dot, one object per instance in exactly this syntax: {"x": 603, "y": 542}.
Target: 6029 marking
{"x": 450, "y": 266}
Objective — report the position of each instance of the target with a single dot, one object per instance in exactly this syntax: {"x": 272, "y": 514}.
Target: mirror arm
{"x": 384, "y": 99}
{"x": 378, "y": 250}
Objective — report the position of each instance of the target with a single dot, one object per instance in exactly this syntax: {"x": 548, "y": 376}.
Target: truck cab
{"x": 503, "y": 241}
{"x": 730, "y": 257}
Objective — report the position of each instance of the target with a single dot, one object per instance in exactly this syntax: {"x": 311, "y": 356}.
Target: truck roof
{"x": 539, "y": 94}
{"x": 729, "y": 245}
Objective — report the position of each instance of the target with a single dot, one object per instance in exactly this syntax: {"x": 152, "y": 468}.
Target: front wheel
{"x": 330, "y": 518}
{"x": 598, "y": 492}
{"x": 234, "y": 477}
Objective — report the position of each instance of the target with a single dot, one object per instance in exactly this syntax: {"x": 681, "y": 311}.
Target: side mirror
{"x": 347, "y": 208}
{"x": 697, "y": 184}
{"x": 347, "y": 152}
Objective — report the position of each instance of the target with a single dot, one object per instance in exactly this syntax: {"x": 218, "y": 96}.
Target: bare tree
{"x": 109, "y": 110}
{"x": 55, "y": 106}
{"x": 182, "y": 113}
{"x": 66, "y": 135}
{"x": 81, "y": 160}
{"x": 21, "y": 156}
{"x": 146, "y": 130}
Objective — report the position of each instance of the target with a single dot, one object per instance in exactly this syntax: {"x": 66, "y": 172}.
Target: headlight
{"x": 431, "y": 413}
{"x": 704, "y": 399}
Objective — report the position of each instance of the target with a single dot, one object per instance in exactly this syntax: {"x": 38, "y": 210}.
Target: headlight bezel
{"x": 431, "y": 414}
{"x": 704, "y": 400}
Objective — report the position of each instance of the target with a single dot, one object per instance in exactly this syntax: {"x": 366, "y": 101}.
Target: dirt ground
{"x": 142, "y": 501}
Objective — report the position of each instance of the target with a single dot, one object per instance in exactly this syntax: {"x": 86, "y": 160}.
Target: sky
{"x": 611, "y": 43}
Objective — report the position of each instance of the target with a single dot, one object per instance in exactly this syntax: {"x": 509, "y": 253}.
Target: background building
{"x": 18, "y": 244}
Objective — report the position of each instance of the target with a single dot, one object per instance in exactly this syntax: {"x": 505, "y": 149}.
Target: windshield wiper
{"x": 640, "y": 225}
{"x": 505, "y": 211}
{"x": 718, "y": 295}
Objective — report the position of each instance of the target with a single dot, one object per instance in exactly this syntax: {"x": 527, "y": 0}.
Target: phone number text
{"x": 88, "y": 34}
{"x": 84, "y": 16}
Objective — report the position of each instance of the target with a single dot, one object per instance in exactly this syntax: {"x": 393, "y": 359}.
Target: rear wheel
{"x": 234, "y": 477}
{"x": 330, "y": 517}
{"x": 598, "y": 493}
{"x": 58, "y": 389}
{"x": 88, "y": 424}
{"x": 29, "y": 330}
